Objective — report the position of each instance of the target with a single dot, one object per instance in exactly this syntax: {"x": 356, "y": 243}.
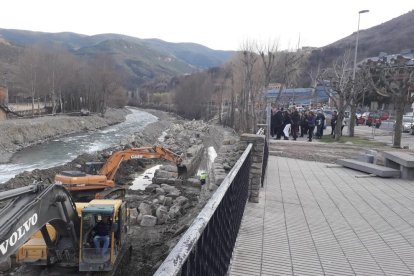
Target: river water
{"x": 60, "y": 151}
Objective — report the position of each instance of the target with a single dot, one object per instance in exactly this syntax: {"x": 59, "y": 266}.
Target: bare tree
{"x": 289, "y": 65}
{"x": 268, "y": 54}
{"x": 393, "y": 79}
{"x": 28, "y": 67}
{"x": 248, "y": 60}
{"x": 339, "y": 80}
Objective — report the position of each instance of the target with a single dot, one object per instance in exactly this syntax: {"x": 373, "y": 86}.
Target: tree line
{"x": 67, "y": 82}
{"x": 235, "y": 92}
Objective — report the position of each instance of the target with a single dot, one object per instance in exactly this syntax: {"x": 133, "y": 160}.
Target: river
{"x": 60, "y": 151}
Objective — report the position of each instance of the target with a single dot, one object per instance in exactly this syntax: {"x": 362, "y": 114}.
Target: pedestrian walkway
{"x": 318, "y": 220}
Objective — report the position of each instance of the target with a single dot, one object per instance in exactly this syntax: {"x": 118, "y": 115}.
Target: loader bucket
{"x": 182, "y": 171}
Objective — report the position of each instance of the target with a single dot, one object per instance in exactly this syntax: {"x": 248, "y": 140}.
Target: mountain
{"x": 391, "y": 37}
{"x": 142, "y": 59}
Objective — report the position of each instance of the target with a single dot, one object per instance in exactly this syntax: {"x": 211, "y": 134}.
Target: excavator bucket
{"x": 182, "y": 171}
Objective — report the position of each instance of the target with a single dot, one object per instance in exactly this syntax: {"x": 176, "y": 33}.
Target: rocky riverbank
{"x": 16, "y": 134}
{"x": 163, "y": 211}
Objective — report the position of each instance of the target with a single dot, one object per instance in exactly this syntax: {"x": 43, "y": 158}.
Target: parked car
{"x": 407, "y": 124}
{"x": 365, "y": 115}
{"x": 384, "y": 115}
{"x": 360, "y": 120}
{"x": 374, "y": 120}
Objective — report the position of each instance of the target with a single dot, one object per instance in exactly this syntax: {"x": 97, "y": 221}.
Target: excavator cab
{"x": 104, "y": 226}
{"x": 93, "y": 167}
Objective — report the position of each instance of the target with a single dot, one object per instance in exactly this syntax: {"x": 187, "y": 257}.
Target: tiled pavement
{"x": 318, "y": 220}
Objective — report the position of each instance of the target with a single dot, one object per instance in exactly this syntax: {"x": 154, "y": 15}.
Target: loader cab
{"x": 104, "y": 226}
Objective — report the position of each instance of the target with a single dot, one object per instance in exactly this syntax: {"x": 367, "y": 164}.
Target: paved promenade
{"x": 315, "y": 220}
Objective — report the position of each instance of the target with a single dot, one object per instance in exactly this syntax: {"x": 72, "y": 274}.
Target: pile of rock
{"x": 167, "y": 204}
{"x": 227, "y": 156}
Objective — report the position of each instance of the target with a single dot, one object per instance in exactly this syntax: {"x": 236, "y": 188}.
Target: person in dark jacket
{"x": 320, "y": 124}
{"x": 279, "y": 123}
{"x": 295, "y": 123}
{"x": 333, "y": 123}
{"x": 102, "y": 230}
{"x": 303, "y": 124}
{"x": 311, "y": 124}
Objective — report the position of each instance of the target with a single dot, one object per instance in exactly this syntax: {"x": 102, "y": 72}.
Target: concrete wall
{"x": 255, "y": 177}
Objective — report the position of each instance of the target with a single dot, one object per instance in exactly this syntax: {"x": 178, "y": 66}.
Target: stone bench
{"x": 401, "y": 161}
{"x": 380, "y": 171}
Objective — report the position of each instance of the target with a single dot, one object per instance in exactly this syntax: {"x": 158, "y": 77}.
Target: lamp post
{"x": 356, "y": 45}
{"x": 352, "y": 116}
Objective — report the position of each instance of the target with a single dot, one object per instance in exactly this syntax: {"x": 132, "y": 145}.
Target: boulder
{"x": 145, "y": 209}
{"x": 133, "y": 216}
{"x": 164, "y": 174}
{"x": 169, "y": 168}
{"x": 148, "y": 221}
{"x": 151, "y": 188}
{"x": 193, "y": 182}
{"x": 162, "y": 215}
{"x": 168, "y": 188}
{"x": 168, "y": 201}
{"x": 226, "y": 166}
{"x": 161, "y": 198}
{"x": 139, "y": 218}
{"x": 174, "y": 193}
{"x": 175, "y": 211}
{"x": 181, "y": 200}
{"x": 219, "y": 178}
{"x": 159, "y": 191}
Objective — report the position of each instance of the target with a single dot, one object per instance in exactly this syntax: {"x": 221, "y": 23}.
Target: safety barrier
{"x": 206, "y": 247}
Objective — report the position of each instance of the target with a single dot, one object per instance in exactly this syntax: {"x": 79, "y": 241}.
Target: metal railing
{"x": 206, "y": 247}
{"x": 265, "y": 157}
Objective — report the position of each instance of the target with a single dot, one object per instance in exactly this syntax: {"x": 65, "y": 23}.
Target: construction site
{"x": 55, "y": 211}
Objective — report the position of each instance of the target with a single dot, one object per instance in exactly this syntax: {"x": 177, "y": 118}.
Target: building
{"x": 300, "y": 96}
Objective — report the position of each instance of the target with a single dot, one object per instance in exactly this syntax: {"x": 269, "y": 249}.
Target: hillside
{"x": 141, "y": 59}
{"x": 391, "y": 37}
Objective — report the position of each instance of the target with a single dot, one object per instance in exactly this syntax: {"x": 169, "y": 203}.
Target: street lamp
{"x": 356, "y": 43}
{"x": 354, "y": 69}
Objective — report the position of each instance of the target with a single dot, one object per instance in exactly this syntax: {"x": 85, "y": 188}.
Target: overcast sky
{"x": 218, "y": 24}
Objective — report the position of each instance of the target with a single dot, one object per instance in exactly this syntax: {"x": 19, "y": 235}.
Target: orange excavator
{"x": 99, "y": 183}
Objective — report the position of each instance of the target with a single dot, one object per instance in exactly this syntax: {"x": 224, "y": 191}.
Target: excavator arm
{"x": 30, "y": 209}
{"x": 112, "y": 164}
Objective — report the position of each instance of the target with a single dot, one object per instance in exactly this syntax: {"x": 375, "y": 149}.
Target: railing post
{"x": 256, "y": 169}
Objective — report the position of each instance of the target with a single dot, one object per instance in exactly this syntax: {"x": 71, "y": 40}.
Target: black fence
{"x": 207, "y": 246}
{"x": 265, "y": 157}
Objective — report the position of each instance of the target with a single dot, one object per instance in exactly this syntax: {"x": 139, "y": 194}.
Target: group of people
{"x": 289, "y": 121}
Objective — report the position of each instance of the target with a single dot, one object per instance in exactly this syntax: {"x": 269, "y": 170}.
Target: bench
{"x": 401, "y": 161}
{"x": 380, "y": 171}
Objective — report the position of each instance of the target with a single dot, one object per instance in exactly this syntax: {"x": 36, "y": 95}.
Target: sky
{"x": 217, "y": 24}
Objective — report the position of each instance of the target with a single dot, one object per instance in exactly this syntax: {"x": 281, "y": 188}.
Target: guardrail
{"x": 207, "y": 246}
